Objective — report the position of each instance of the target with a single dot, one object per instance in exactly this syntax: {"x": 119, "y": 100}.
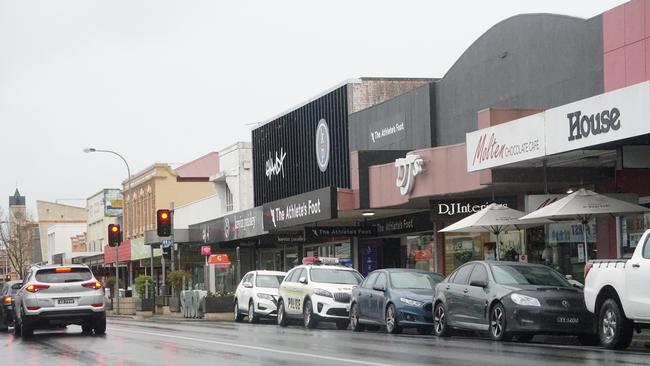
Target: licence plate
{"x": 567, "y": 320}
{"x": 69, "y": 301}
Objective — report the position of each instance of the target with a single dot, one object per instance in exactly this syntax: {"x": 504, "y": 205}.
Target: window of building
{"x": 229, "y": 200}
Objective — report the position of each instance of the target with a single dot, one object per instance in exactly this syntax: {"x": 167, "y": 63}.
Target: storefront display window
{"x": 420, "y": 252}
{"x": 461, "y": 248}
{"x": 342, "y": 251}
{"x": 632, "y": 228}
{"x": 511, "y": 247}
{"x": 565, "y": 249}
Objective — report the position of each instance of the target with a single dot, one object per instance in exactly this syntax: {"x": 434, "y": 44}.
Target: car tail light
{"x": 33, "y": 308}
{"x": 588, "y": 268}
{"x": 35, "y": 287}
{"x": 95, "y": 284}
{"x": 7, "y": 300}
{"x": 97, "y": 305}
{"x": 63, "y": 269}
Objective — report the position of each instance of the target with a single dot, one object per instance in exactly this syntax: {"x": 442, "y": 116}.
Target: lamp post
{"x": 129, "y": 213}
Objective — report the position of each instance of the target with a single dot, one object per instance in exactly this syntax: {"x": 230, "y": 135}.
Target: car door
{"x": 364, "y": 293}
{"x": 378, "y": 298}
{"x": 242, "y": 300}
{"x": 456, "y": 302}
{"x": 637, "y": 275}
{"x": 295, "y": 292}
{"x": 476, "y": 297}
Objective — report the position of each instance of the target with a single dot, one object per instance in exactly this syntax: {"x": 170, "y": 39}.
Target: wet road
{"x": 130, "y": 342}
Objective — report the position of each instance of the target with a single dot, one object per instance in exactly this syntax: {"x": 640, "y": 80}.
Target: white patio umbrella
{"x": 496, "y": 219}
{"x": 582, "y": 205}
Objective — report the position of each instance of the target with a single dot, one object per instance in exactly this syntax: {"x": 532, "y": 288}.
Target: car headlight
{"x": 524, "y": 300}
{"x": 265, "y": 296}
{"x": 411, "y": 302}
{"x": 321, "y": 292}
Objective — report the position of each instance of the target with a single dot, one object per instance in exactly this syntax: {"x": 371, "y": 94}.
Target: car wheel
{"x": 282, "y": 315}
{"x": 392, "y": 325}
{"x": 99, "y": 324}
{"x": 614, "y": 329}
{"x": 589, "y": 339}
{"x": 354, "y": 319}
{"x": 440, "y": 327}
{"x": 308, "y": 315}
{"x": 238, "y": 316}
{"x": 524, "y": 338}
{"x": 252, "y": 317}
{"x": 86, "y": 328}
{"x": 424, "y": 330}
{"x": 342, "y": 324}
{"x": 498, "y": 324}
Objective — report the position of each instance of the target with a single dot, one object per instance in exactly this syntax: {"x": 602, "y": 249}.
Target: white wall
{"x": 59, "y": 238}
{"x": 195, "y": 212}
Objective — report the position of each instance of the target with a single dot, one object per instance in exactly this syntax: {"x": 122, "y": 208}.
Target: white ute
{"x": 618, "y": 293}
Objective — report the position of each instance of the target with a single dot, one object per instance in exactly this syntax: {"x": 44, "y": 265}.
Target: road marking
{"x": 229, "y": 344}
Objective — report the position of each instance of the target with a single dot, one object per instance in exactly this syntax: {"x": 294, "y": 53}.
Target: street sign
{"x": 166, "y": 243}
{"x": 206, "y": 250}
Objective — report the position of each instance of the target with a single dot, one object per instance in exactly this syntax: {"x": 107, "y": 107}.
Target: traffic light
{"x": 164, "y": 223}
{"x": 167, "y": 252}
{"x": 114, "y": 235}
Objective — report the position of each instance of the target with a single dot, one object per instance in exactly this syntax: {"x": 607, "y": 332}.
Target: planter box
{"x": 144, "y": 304}
{"x": 221, "y": 304}
{"x": 174, "y": 304}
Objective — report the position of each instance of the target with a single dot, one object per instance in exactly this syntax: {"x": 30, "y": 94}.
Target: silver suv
{"x": 60, "y": 295}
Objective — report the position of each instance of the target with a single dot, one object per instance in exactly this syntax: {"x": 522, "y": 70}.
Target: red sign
{"x": 219, "y": 260}
{"x": 206, "y": 250}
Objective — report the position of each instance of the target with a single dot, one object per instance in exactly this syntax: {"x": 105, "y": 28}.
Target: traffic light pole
{"x": 117, "y": 281}
{"x": 172, "y": 235}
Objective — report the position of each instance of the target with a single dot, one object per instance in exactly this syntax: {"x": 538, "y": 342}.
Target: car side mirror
{"x": 247, "y": 285}
{"x": 379, "y": 288}
{"x": 303, "y": 280}
{"x": 479, "y": 283}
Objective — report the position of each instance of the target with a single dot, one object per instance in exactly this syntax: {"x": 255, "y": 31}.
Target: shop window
{"x": 342, "y": 251}
{"x": 462, "y": 277}
{"x": 420, "y": 251}
{"x": 461, "y": 248}
{"x": 632, "y": 228}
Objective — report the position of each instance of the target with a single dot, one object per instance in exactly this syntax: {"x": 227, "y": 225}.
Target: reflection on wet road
{"x": 131, "y": 342}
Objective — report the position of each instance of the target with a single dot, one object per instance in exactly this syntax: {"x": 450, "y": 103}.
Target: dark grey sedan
{"x": 511, "y": 300}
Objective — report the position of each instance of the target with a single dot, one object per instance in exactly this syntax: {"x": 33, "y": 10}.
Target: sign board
{"x": 239, "y": 225}
{"x": 219, "y": 260}
{"x": 317, "y": 232}
{"x": 301, "y": 209}
{"x": 534, "y": 202}
{"x": 403, "y": 224}
{"x": 387, "y": 131}
{"x": 506, "y": 143}
{"x": 206, "y": 250}
{"x": 452, "y": 209}
{"x": 607, "y": 117}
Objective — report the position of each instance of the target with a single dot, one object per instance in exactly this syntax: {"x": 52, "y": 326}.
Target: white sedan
{"x": 257, "y": 295}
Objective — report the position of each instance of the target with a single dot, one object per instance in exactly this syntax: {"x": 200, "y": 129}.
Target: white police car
{"x": 257, "y": 295}
{"x": 316, "y": 292}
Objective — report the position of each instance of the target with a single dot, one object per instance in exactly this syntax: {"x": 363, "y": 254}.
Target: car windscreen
{"x": 528, "y": 275}
{"x": 268, "y": 281}
{"x": 414, "y": 280}
{"x": 63, "y": 275}
{"x": 339, "y": 276}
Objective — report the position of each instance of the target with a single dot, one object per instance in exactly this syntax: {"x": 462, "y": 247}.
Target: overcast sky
{"x": 169, "y": 81}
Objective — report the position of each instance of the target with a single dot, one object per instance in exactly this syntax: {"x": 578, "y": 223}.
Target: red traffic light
{"x": 164, "y": 223}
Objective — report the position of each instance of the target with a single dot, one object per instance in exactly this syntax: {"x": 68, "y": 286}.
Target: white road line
{"x": 300, "y": 354}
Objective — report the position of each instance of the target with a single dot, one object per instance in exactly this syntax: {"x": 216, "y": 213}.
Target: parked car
{"x": 55, "y": 295}
{"x": 511, "y": 299}
{"x": 257, "y": 295}
{"x": 316, "y": 292}
{"x": 617, "y": 292}
{"x": 7, "y": 294}
{"x": 396, "y": 299}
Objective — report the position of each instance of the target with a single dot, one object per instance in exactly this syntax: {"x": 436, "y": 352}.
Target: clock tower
{"x": 17, "y": 212}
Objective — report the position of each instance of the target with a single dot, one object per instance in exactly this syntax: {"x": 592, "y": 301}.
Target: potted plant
{"x": 144, "y": 287}
{"x": 219, "y": 302}
{"x": 177, "y": 280}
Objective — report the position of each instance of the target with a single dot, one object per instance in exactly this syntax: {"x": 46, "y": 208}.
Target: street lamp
{"x": 129, "y": 212}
